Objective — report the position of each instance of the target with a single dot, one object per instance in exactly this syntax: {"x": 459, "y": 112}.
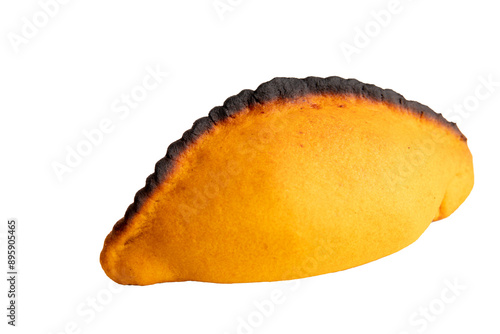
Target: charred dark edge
{"x": 277, "y": 88}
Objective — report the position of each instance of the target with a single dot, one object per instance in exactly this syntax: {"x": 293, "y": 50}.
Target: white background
{"x": 64, "y": 78}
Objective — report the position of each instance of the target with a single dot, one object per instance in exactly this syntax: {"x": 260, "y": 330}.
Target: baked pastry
{"x": 300, "y": 177}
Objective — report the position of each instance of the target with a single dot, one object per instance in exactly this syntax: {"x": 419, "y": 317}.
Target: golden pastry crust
{"x": 299, "y": 178}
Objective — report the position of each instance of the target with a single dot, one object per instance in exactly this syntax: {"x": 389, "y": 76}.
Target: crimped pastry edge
{"x": 277, "y": 88}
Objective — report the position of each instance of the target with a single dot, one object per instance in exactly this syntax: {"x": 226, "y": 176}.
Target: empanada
{"x": 300, "y": 177}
